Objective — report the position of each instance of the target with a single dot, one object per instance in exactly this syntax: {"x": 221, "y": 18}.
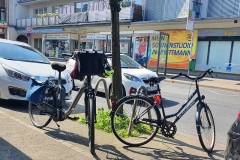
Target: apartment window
{"x": 57, "y": 9}
{"x": 81, "y": 7}
{"x": 3, "y": 14}
{"x": 39, "y": 11}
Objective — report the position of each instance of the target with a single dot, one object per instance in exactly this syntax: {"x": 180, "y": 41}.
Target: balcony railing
{"x": 81, "y": 17}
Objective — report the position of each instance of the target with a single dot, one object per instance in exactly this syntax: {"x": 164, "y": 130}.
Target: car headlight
{"x": 131, "y": 77}
{"x": 15, "y": 74}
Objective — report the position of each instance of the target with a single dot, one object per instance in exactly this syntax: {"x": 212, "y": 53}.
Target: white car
{"x": 18, "y": 62}
{"x": 133, "y": 75}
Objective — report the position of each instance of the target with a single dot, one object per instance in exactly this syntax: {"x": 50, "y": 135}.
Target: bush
{"x": 104, "y": 123}
{"x": 103, "y": 120}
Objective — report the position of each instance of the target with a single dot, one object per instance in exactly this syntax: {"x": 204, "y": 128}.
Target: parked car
{"x": 133, "y": 75}
{"x": 18, "y": 62}
{"x": 233, "y": 145}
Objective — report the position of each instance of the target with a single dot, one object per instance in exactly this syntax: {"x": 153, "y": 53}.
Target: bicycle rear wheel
{"x": 134, "y": 120}
{"x": 91, "y": 118}
{"x": 38, "y": 112}
{"x": 205, "y": 127}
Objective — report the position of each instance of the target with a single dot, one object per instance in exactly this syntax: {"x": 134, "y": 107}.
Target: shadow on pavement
{"x": 173, "y": 148}
{"x": 110, "y": 150}
{"x": 178, "y": 151}
{"x": 170, "y": 153}
{"x": 8, "y": 151}
{"x": 15, "y": 105}
{"x": 169, "y": 103}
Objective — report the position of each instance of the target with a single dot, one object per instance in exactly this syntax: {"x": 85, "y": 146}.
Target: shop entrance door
{"x": 163, "y": 53}
{"x": 38, "y": 44}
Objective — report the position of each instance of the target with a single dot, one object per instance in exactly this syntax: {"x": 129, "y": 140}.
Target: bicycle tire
{"x": 91, "y": 121}
{"x": 135, "y": 134}
{"x": 41, "y": 114}
{"x": 205, "y": 132}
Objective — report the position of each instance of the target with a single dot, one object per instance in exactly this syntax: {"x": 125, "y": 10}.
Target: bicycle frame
{"x": 184, "y": 107}
{"x": 82, "y": 90}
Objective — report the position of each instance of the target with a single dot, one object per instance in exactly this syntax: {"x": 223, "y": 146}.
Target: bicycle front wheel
{"x": 38, "y": 112}
{"x": 134, "y": 120}
{"x": 91, "y": 121}
{"x": 205, "y": 127}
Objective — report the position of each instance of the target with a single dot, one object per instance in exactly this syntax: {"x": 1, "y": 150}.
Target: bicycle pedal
{"x": 73, "y": 118}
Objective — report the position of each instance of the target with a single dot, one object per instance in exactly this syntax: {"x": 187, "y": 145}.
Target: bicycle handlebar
{"x": 209, "y": 71}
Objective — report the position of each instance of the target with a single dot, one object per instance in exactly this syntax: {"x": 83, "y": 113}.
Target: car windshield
{"x": 126, "y": 62}
{"x": 21, "y": 53}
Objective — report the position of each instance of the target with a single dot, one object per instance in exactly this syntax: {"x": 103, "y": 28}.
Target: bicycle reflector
{"x": 157, "y": 99}
{"x": 238, "y": 115}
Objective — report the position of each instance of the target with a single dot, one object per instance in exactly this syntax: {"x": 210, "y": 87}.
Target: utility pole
{"x": 190, "y": 27}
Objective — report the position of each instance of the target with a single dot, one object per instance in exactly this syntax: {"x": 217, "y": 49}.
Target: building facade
{"x": 56, "y": 27}
{"x": 3, "y": 19}
{"x": 217, "y": 24}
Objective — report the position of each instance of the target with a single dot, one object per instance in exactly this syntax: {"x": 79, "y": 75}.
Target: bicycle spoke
{"x": 131, "y": 128}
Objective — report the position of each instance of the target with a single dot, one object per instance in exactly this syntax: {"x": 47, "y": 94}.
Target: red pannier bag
{"x": 75, "y": 74}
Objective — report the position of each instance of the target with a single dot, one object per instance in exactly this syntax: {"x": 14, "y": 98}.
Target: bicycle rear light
{"x": 157, "y": 99}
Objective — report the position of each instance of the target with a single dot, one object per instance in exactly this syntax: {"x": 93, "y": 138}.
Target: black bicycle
{"x": 54, "y": 106}
{"x": 142, "y": 118}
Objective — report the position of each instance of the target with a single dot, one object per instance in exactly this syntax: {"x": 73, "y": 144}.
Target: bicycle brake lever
{"x": 210, "y": 71}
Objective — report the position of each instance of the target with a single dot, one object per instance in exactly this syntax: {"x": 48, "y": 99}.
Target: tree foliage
{"x": 115, "y": 5}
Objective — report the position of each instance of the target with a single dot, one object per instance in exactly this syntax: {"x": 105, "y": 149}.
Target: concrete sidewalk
{"x": 20, "y": 140}
{"x": 225, "y": 84}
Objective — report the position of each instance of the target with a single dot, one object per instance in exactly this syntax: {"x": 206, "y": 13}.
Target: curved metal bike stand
{"x": 106, "y": 91}
{"x": 142, "y": 90}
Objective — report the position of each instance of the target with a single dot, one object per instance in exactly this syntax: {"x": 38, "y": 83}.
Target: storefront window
{"x": 90, "y": 45}
{"x": 83, "y": 45}
{"x": 55, "y": 48}
{"x": 3, "y": 14}
{"x": 219, "y": 55}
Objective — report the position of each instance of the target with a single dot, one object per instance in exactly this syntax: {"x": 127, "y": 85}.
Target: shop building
{"x": 74, "y": 17}
{"x": 159, "y": 15}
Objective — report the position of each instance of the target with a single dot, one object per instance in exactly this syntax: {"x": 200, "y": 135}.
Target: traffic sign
{"x": 29, "y": 29}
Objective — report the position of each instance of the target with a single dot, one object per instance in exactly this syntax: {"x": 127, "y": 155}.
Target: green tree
{"x": 116, "y": 92}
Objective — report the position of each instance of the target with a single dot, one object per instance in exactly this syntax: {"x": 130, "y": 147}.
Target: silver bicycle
{"x": 54, "y": 106}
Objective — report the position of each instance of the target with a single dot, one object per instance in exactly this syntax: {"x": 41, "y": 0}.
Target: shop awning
{"x": 41, "y": 31}
{"x": 134, "y": 33}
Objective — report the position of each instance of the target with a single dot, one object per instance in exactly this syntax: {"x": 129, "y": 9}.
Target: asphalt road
{"x": 223, "y": 104}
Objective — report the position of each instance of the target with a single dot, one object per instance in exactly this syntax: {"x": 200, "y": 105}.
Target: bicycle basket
{"x": 36, "y": 93}
{"x": 90, "y": 62}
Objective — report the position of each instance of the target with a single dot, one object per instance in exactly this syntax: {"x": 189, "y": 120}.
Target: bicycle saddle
{"x": 154, "y": 79}
{"x": 58, "y": 66}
